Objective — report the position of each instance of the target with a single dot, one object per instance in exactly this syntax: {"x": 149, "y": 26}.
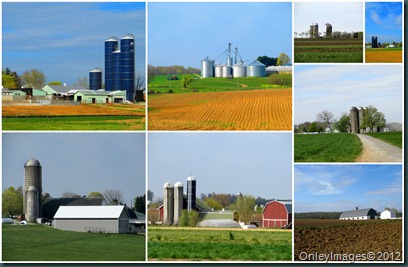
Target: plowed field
{"x": 349, "y": 237}
{"x": 383, "y": 56}
{"x": 235, "y": 110}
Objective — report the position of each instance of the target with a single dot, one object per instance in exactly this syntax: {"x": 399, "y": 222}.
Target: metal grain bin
{"x": 207, "y": 68}
{"x": 95, "y": 79}
{"x": 226, "y": 71}
{"x": 218, "y": 71}
{"x": 256, "y": 69}
{"x": 239, "y": 70}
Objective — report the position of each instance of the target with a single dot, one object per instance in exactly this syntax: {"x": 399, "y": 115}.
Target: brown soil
{"x": 350, "y": 238}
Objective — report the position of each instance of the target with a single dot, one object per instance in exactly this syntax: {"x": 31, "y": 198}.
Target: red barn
{"x": 277, "y": 214}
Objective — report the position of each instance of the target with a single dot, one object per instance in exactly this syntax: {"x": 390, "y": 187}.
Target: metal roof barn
{"x": 277, "y": 214}
{"x": 99, "y": 219}
{"x": 359, "y": 214}
{"x": 219, "y": 223}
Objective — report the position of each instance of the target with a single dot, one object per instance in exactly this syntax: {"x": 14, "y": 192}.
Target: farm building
{"x": 359, "y": 214}
{"x": 62, "y": 91}
{"x": 105, "y": 219}
{"x": 220, "y": 223}
{"x": 99, "y": 96}
{"x": 388, "y": 214}
{"x": 277, "y": 214}
{"x": 51, "y": 205}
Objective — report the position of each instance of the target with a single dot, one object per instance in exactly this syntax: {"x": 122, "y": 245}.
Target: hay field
{"x": 383, "y": 56}
{"x": 268, "y": 109}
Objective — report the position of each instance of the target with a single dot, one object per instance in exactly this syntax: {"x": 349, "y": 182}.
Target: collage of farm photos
{"x": 212, "y": 132}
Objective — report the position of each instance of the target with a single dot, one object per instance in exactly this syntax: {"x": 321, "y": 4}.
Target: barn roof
{"x": 51, "y": 205}
{"x": 357, "y": 213}
{"x": 288, "y": 205}
{"x": 213, "y": 215}
{"x": 89, "y": 212}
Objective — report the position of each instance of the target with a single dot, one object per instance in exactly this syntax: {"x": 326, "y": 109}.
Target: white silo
{"x": 32, "y": 204}
{"x": 207, "y": 68}
{"x": 168, "y": 204}
{"x": 178, "y": 201}
{"x": 239, "y": 70}
{"x": 218, "y": 71}
{"x": 226, "y": 71}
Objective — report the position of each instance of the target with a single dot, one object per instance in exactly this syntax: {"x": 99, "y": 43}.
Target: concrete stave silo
{"x": 256, "y": 69}
{"x": 168, "y": 204}
{"x": 33, "y": 207}
{"x": 32, "y": 178}
{"x": 329, "y": 30}
{"x": 178, "y": 201}
{"x": 314, "y": 30}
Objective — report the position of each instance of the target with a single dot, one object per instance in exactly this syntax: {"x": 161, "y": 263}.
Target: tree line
{"x": 326, "y": 122}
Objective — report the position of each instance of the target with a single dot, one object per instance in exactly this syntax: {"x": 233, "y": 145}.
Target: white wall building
{"x": 388, "y": 214}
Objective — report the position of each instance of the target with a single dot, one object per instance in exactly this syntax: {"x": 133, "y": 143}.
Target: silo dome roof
{"x": 178, "y": 184}
{"x": 167, "y": 185}
{"x": 256, "y": 63}
{"x": 32, "y": 163}
{"x": 191, "y": 178}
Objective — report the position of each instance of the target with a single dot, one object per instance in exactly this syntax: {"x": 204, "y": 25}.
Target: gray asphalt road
{"x": 375, "y": 150}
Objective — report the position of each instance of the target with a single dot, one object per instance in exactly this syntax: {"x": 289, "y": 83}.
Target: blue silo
{"x": 95, "y": 79}
{"x": 117, "y": 85}
{"x": 111, "y": 45}
{"x": 127, "y": 66}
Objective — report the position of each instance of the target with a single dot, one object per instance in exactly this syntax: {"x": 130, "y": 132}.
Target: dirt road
{"x": 375, "y": 150}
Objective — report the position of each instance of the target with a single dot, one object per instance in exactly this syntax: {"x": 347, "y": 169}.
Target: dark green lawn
{"x": 44, "y": 243}
{"x": 393, "y": 138}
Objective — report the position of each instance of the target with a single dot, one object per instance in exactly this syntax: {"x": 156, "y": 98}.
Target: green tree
{"x": 213, "y": 203}
{"x": 343, "y": 124}
{"x": 140, "y": 204}
{"x": 7, "y": 81}
{"x": 283, "y": 59}
{"x": 189, "y": 218}
{"x": 245, "y": 207}
{"x": 267, "y": 61}
{"x": 33, "y": 78}
{"x": 372, "y": 118}
{"x": 186, "y": 80}
{"x": 313, "y": 127}
{"x": 95, "y": 194}
{"x": 55, "y": 83}
{"x": 12, "y": 202}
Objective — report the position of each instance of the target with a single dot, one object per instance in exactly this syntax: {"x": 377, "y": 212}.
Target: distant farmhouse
{"x": 367, "y": 214}
{"x": 75, "y": 214}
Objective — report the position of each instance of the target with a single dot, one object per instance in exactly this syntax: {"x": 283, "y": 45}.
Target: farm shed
{"x": 219, "y": 223}
{"x": 61, "y": 91}
{"x": 99, "y": 96}
{"x": 359, "y": 214}
{"x": 106, "y": 219}
{"x": 277, "y": 214}
{"x": 388, "y": 214}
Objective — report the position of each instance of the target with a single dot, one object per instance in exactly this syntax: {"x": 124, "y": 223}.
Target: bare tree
{"x": 33, "y": 78}
{"x": 67, "y": 194}
{"x": 83, "y": 81}
{"x": 113, "y": 196}
{"x": 139, "y": 81}
{"x": 327, "y": 117}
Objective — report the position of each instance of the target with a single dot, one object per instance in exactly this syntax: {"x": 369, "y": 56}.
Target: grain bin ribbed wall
{"x": 226, "y": 71}
{"x": 127, "y": 66}
{"x": 95, "y": 79}
{"x": 218, "y": 71}
{"x": 32, "y": 177}
{"x": 168, "y": 204}
{"x": 207, "y": 68}
{"x": 239, "y": 70}
{"x": 32, "y": 204}
{"x": 110, "y": 45}
{"x": 256, "y": 69}
{"x": 178, "y": 201}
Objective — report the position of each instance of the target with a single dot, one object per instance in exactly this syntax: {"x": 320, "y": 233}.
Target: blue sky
{"x": 78, "y": 162}
{"x": 344, "y": 187}
{"x": 257, "y": 164}
{"x": 186, "y": 33}
{"x": 66, "y": 40}
{"x": 383, "y": 20}
{"x": 337, "y": 88}
{"x": 343, "y": 16}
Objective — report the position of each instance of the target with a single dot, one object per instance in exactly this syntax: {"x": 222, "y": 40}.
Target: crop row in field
{"x": 393, "y": 138}
{"x": 219, "y": 244}
{"x": 44, "y": 243}
{"x": 269, "y": 109}
{"x": 383, "y": 56}
{"x": 328, "y": 42}
{"x": 335, "y": 147}
{"x": 378, "y": 237}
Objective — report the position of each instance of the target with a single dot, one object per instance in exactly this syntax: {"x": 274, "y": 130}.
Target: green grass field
{"x": 160, "y": 84}
{"x": 44, "y": 243}
{"x": 393, "y": 138}
{"x": 219, "y": 244}
{"x": 335, "y": 50}
{"x": 336, "y": 147}
{"x": 74, "y": 123}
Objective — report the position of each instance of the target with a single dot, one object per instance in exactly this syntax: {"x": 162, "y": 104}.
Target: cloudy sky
{"x": 257, "y": 164}
{"x": 78, "y": 162}
{"x": 338, "y": 88}
{"x": 186, "y": 33}
{"x": 344, "y": 187}
{"x": 383, "y": 20}
{"x": 66, "y": 40}
{"x": 343, "y": 16}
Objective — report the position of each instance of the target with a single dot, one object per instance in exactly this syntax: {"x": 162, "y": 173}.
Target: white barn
{"x": 105, "y": 219}
{"x": 359, "y": 214}
{"x": 388, "y": 214}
